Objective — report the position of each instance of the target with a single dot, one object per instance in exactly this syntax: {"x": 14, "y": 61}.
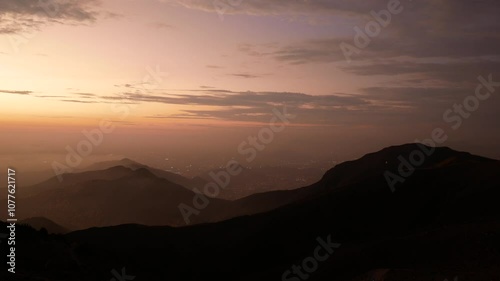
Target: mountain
{"x": 240, "y": 186}
{"x": 114, "y": 196}
{"x": 442, "y": 221}
{"x": 73, "y": 179}
{"x": 104, "y": 165}
{"x": 133, "y": 165}
{"x": 132, "y": 193}
{"x": 39, "y": 222}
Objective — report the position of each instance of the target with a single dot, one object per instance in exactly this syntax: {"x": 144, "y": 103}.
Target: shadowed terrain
{"x": 442, "y": 221}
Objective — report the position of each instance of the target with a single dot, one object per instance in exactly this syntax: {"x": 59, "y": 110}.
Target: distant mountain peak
{"x": 391, "y": 159}
{"x": 117, "y": 168}
{"x": 128, "y": 161}
{"x": 43, "y": 222}
{"x": 145, "y": 172}
{"x": 432, "y": 155}
{"x": 412, "y": 146}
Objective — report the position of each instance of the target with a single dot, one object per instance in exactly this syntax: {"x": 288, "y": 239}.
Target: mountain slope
{"x": 40, "y": 222}
{"x": 73, "y": 179}
{"x": 133, "y": 165}
{"x": 95, "y": 198}
{"x": 114, "y": 196}
{"x": 441, "y": 220}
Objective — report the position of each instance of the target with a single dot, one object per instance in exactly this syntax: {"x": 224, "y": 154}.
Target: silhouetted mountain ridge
{"x": 443, "y": 219}
{"x": 388, "y": 159}
{"x": 40, "y": 222}
{"x": 131, "y": 164}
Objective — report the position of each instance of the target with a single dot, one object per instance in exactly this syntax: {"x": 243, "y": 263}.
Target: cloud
{"x": 280, "y": 7}
{"x": 454, "y": 29}
{"x": 252, "y": 106}
{"x": 79, "y": 101}
{"x": 48, "y": 96}
{"x": 443, "y": 44}
{"x": 241, "y": 99}
{"x": 214, "y": 66}
{"x": 181, "y": 116}
{"x": 413, "y": 96}
{"x": 28, "y": 15}
{"x": 85, "y": 95}
{"x": 371, "y": 106}
{"x": 244, "y": 75}
{"x": 377, "y": 106}
{"x": 450, "y": 73}
{"x": 309, "y": 51}
{"x": 16, "y": 92}
{"x": 453, "y": 70}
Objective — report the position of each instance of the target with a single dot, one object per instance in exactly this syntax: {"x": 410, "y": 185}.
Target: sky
{"x": 192, "y": 79}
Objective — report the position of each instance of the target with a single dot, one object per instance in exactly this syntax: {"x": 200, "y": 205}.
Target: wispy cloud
{"x": 16, "y": 92}
{"x": 21, "y": 15}
{"x": 85, "y": 95}
{"x": 231, "y": 98}
{"x": 426, "y": 29}
{"x": 245, "y": 75}
{"x": 79, "y": 101}
{"x": 214, "y": 66}
{"x": 266, "y": 7}
{"x": 453, "y": 72}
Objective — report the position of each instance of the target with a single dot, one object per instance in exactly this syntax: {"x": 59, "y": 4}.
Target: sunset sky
{"x": 199, "y": 76}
